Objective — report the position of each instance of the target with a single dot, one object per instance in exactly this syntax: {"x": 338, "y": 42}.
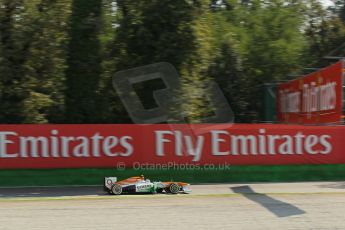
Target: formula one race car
{"x": 139, "y": 184}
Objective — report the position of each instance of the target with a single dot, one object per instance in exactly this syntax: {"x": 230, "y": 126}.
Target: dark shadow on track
{"x": 277, "y": 207}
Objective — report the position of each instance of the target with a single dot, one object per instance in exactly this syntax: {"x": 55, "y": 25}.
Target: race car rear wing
{"x": 108, "y": 182}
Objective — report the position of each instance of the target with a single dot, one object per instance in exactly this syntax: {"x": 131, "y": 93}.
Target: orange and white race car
{"x": 138, "y": 184}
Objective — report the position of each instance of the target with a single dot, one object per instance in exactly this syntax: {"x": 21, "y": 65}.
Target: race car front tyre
{"x": 174, "y": 188}
{"x": 116, "y": 189}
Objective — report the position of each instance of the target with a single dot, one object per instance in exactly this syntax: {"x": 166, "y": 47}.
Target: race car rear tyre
{"x": 116, "y": 189}
{"x": 174, "y": 188}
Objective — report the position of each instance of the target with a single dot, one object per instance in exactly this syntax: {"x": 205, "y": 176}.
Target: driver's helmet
{"x": 142, "y": 177}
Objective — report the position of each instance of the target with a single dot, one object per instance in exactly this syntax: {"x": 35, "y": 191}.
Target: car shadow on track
{"x": 277, "y": 207}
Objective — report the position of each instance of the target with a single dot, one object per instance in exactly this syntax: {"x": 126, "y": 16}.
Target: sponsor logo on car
{"x": 143, "y": 187}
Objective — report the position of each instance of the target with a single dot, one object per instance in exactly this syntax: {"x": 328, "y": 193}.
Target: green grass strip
{"x": 291, "y": 173}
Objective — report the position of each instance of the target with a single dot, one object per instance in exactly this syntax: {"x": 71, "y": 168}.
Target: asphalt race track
{"x": 312, "y": 205}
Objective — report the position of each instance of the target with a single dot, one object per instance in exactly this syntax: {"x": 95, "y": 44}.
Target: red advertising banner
{"x": 77, "y": 146}
{"x": 312, "y": 99}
